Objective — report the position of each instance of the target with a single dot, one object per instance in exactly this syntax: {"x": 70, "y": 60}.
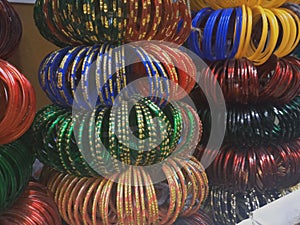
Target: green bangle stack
{"x": 15, "y": 170}
{"x": 84, "y": 143}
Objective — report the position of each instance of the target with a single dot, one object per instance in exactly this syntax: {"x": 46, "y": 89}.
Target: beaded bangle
{"x": 34, "y": 206}
{"x": 91, "y": 22}
{"x": 230, "y": 207}
{"x": 276, "y": 81}
{"x": 111, "y": 202}
{"x": 265, "y": 167}
{"x": 11, "y": 29}
{"x": 55, "y": 141}
{"x": 67, "y": 77}
{"x": 16, "y": 167}
{"x": 18, "y": 101}
{"x": 255, "y": 125}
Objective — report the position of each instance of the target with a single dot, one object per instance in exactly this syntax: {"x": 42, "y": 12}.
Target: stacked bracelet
{"x": 230, "y": 207}
{"x": 265, "y": 167}
{"x": 17, "y": 99}
{"x": 11, "y": 29}
{"x": 91, "y": 76}
{"x": 111, "y": 202}
{"x": 277, "y": 81}
{"x": 56, "y": 134}
{"x": 15, "y": 166}
{"x": 90, "y": 22}
{"x": 34, "y": 206}
{"x": 258, "y": 33}
{"x": 255, "y": 125}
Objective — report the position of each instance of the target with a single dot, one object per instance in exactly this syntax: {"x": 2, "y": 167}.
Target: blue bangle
{"x": 238, "y": 31}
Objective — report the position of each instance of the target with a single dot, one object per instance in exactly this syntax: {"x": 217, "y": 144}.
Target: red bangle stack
{"x": 17, "y": 97}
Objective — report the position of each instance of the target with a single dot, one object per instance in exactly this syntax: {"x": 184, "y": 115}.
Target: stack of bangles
{"x": 17, "y": 99}
{"x": 218, "y": 4}
{"x": 277, "y": 81}
{"x": 265, "y": 167}
{"x": 10, "y": 29}
{"x": 88, "y": 22}
{"x": 142, "y": 135}
{"x": 256, "y": 125}
{"x": 34, "y": 206}
{"x": 199, "y": 218}
{"x": 15, "y": 169}
{"x": 133, "y": 199}
{"x": 229, "y": 207}
{"x": 255, "y": 33}
{"x": 88, "y": 76}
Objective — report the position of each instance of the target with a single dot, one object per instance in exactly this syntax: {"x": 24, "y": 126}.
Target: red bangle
{"x": 19, "y": 103}
{"x": 34, "y": 206}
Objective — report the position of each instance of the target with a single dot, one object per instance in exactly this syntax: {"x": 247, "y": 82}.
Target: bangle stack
{"x": 230, "y": 207}
{"x": 34, "y": 206}
{"x": 256, "y": 125}
{"x": 18, "y": 104}
{"x": 11, "y": 29}
{"x": 255, "y": 33}
{"x": 90, "y": 22}
{"x": 79, "y": 75}
{"x": 98, "y": 200}
{"x": 277, "y": 81}
{"x": 239, "y": 168}
{"x": 15, "y": 166}
{"x": 56, "y": 134}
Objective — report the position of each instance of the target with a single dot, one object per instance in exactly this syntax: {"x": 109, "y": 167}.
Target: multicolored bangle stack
{"x": 90, "y": 22}
{"x": 126, "y": 115}
{"x": 11, "y": 29}
{"x": 247, "y": 46}
{"x": 255, "y": 33}
{"x": 15, "y": 167}
{"x": 137, "y": 201}
{"x": 34, "y": 206}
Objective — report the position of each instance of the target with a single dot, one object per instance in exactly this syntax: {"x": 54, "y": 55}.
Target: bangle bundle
{"x": 56, "y": 136}
{"x": 90, "y": 22}
{"x": 134, "y": 199}
{"x": 217, "y": 4}
{"x": 34, "y": 206}
{"x": 263, "y": 167}
{"x": 232, "y": 207}
{"x": 198, "y": 218}
{"x": 15, "y": 169}
{"x": 255, "y": 33}
{"x": 100, "y": 72}
{"x": 17, "y": 100}
{"x": 255, "y": 125}
{"x": 277, "y": 81}
{"x": 10, "y": 29}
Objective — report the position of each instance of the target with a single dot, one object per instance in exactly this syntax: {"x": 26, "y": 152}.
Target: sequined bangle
{"x": 110, "y": 202}
{"x": 75, "y": 143}
{"x": 17, "y": 97}
{"x": 11, "y": 29}
{"x": 89, "y": 22}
